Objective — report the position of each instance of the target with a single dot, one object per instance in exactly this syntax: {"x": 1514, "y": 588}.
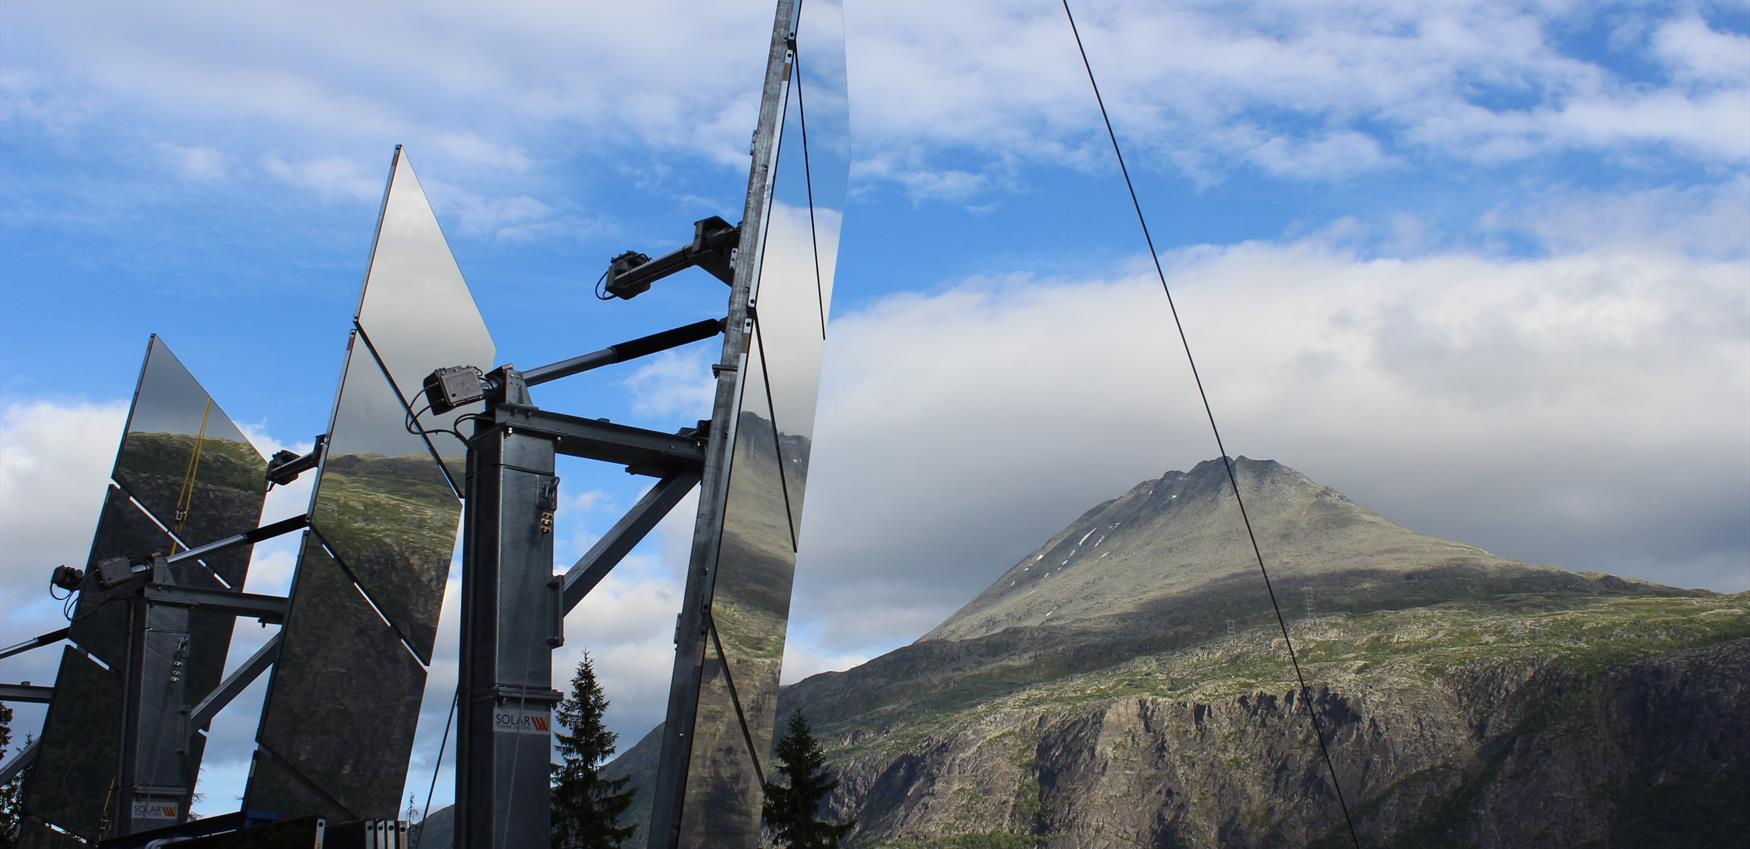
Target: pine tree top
{"x": 793, "y": 808}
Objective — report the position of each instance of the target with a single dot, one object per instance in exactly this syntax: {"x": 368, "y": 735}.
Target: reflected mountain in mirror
{"x": 188, "y": 464}
{"x": 382, "y": 504}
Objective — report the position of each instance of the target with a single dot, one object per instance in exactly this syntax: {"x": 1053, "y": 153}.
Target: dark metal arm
{"x": 270, "y": 609}
{"x": 34, "y": 642}
{"x": 630, "y": 350}
{"x": 642, "y": 452}
{"x": 28, "y": 693}
{"x": 714, "y": 240}
{"x": 261, "y": 534}
{"x": 285, "y": 466}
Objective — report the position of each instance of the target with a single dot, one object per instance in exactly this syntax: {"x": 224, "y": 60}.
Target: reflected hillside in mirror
{"x": 749, "y": 611}
{"x": 188, "y": 464}
{"x": 383, "y": 506}
{"x": 392, "y": 521}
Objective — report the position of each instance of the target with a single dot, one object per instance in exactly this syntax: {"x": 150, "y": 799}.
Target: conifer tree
{"x": 792, "y": 809}
{"x": 11, "y": 791}
{"x": 586, "y": 806}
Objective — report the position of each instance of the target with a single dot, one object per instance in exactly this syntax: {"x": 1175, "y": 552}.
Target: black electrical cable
{"x": 808, "y": 179}
{"x": 414, "y": 426}
{"x": 1209, "y": 411}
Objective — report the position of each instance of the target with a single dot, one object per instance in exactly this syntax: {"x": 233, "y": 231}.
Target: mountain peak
{"x": 1178, "y": 533}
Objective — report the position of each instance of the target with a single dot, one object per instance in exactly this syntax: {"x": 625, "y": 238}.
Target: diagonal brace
{"x": 24, "y": 758}
{"x": 202, "y": 715}
{"x": 626, "y": 533}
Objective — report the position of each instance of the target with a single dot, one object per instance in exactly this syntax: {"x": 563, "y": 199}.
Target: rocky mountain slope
{"x": 1126, "y": 685}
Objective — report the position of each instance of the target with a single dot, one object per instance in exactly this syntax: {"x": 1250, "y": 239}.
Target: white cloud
{"x": 455, "y": 79}
{"x": 332, "y": 177}
{"x": 27, "y": 98}
{"x": 1709, "y": 221}
{"x": 1590, "y": 408}
{"x": 1332, "y": 156}
{"x": 195, "y": 164}
{"x": 1318, "y": 91}
{"x": 508, "y": 218}
{"x": 673, "y": 384}
{"x": 55, "y": 460}
{"x": 1342, "y": 87}
{"x": 1694, "y": 51}
{"x": 800, "y": 661}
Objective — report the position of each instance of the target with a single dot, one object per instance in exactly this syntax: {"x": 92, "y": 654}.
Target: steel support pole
{"x": 152, "y": 790}
{"x": 511, "y": 622}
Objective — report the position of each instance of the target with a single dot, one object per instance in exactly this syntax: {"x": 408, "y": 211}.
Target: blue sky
{"x": 1483, "y": 267}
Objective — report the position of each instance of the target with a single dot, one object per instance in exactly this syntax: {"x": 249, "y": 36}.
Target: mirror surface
{"x": 340, "y": 715}
{"x": 416, "y": 311}
{"x": 382, "y": 505}
{"x": 743, "y": 659}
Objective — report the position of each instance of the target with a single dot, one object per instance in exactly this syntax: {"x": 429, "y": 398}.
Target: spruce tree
{"x": 11, "y": 791}
{"x": 792, "y": 809}
{"x": 586, "y": 806}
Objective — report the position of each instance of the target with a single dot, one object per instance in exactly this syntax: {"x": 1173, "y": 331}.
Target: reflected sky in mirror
{"x": 416, "y": 310}
{"x": 799, "y": 251}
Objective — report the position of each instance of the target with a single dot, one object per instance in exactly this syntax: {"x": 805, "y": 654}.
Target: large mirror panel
{"x": 744, "y": 651}
{"x": 799, "y": 254}
{"x": 755, "y": 561}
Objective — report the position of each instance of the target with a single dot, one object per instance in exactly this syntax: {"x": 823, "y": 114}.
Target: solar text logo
{"x": 154, "y": 810}
{"x": 514, "y": 721}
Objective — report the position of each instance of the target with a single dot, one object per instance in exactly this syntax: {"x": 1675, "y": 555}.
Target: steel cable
{"x": 1209, "y": 412}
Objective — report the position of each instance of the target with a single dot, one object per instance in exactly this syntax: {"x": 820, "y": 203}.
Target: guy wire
{"x": 1209, "y": 412}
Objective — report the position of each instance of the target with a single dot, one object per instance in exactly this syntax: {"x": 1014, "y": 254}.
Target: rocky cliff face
{"x": 1127, "y": 685}
{"x": 1530, "y": 745}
